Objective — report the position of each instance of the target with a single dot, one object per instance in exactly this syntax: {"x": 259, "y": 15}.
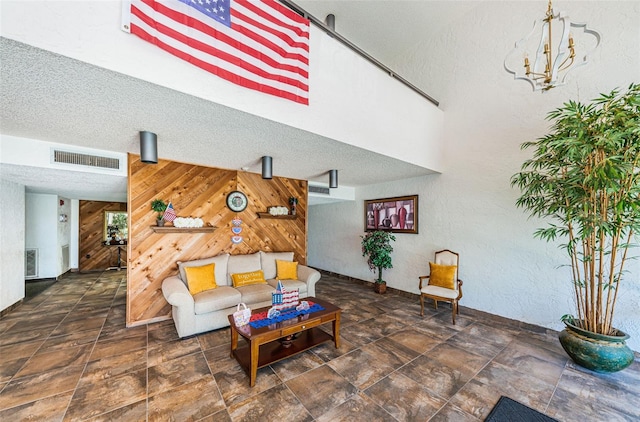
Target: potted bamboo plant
{"x": 159, "y": 206}
{"x": 376, "y": 245}
{"x": 585, "y": 178}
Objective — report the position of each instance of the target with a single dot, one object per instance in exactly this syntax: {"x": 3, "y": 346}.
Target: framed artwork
{"x": 397, "y": 215}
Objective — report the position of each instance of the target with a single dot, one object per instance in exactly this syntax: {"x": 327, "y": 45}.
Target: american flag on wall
{"x": 258, "y": 44}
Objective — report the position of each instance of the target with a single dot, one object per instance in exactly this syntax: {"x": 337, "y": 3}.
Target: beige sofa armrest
{"x": 182, "y": 305}
{"x": 176, "y": 293}
{"x": 309, "y": 276}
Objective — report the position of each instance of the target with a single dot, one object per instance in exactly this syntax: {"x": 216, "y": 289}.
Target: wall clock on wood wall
{"x": 237, "y": 201}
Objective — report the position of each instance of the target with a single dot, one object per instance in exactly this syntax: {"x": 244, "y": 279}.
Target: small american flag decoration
{"x": 169, "y": 213}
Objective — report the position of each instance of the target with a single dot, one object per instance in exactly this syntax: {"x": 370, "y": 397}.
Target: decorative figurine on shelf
{"x": 294, "y": 204}
{"x": 275, "y": 211}
{"x": 283, "y": 299}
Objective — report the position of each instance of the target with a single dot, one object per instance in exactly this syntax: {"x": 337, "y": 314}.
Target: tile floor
{"x": 66, "y": 355}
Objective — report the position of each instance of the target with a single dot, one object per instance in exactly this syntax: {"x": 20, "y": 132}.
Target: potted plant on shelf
{"x": 585, "y": 177}
{"x": 376, "y": 245}
{"x": 159, "y": 206}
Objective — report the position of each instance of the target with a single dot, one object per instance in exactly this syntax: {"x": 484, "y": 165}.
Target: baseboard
{"x": 463, "y": 309}
{"x": 36, "y": 280}
{"x": 10, "y": 308}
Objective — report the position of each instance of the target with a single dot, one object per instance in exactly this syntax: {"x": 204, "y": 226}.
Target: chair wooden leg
{"x": 435, "y": 304}
{"x": 421, "y": 305}
{"x": 454, "y": 305}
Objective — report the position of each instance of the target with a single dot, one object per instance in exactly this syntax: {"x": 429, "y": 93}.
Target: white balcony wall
{"x": 350, "y": 99}
{"x": 35, "y": 153}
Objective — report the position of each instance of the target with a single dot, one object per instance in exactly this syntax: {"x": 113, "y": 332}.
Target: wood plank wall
{"x": 93, "y": 254}
{"x": 198, "y": 191}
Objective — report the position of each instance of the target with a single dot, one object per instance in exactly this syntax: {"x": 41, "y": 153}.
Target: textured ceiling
{"x": 53, "y": 98}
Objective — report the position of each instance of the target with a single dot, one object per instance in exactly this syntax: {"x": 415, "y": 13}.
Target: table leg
{"x": 255, "y": 352}
{"x": 336, "y": 331}
{"x": 234, "y": 339}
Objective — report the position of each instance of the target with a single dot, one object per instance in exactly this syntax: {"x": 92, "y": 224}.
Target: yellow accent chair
{"x": 443, "y": 283}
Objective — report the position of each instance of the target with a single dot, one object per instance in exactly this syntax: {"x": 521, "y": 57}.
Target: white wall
{"x": 12, "y": 225}
{"x": 470, "y": 208}
{"x": 42, "y": 232}
{"x": 341, "y": 83}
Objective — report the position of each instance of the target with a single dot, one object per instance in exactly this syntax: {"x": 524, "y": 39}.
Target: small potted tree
{"x": 376, "y": 245}
{"x": 159, "y": 206}
{"x": 585, "y": 178}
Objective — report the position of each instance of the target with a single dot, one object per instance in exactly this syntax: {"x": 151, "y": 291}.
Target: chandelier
{"x": 555, "y": 53}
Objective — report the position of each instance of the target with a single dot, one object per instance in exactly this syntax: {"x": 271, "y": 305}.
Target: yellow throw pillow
{"x": 201, "y": 278}
{"x": 286, "y": 270}
{"x": 246, "y": 279}
{"x": 442, "y": 275}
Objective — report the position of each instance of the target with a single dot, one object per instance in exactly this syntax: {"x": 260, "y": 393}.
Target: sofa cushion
{"x": 216, "y": 299}
{"x": 200, "y": 278}
{"x": 287, "y": 270}
{"x": 268, "y": 262}
{"x": 246, "y": 279}
{"x": 243, "y": 264}
{"x": 256, "y": 293}
{"x": 290, "y": 285}
{"x": 220, "y": 270}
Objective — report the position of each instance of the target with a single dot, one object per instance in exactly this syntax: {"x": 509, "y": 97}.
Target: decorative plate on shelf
{"x": 237, "y": 201}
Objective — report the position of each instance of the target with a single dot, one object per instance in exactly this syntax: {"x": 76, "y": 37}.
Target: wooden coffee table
{"x": 264, "y": 347}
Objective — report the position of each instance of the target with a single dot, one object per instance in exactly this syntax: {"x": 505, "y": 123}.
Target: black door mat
{"x": 509, "y": 410}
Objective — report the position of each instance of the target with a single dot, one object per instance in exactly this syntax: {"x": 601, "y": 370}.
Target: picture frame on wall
{"x": 397, "y": 215}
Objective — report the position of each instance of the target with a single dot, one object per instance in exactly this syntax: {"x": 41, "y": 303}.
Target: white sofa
{"x": 209, "y": 310}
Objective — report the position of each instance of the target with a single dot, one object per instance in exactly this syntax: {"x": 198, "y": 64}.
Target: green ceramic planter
{"x": 597, "y": 352}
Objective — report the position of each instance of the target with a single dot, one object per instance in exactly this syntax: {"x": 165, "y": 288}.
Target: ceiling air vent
{"x": 67, "y": 157}
{"x": 319, "y": 189}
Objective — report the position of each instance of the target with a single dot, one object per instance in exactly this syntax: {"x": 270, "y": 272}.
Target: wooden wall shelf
{"x": 171, "y": 229}
{"x": 281, "y": 217}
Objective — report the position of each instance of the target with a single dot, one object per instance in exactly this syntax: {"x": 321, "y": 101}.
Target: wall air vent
{"x": 319, "y": 189}
{"x": 30, "y": 263}
{"x": 65, "y": 258}
{"x": 67, "y": 157}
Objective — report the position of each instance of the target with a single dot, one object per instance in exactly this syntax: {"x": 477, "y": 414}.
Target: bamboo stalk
{"x": 624, "y": 258}
{"x": 601, "y": 258}
{"x": 606, "y": 328}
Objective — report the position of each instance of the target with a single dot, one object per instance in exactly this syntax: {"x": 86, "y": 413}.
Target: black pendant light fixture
{"x": 148, "y": 147}
{"x": 333, "y": 178}
{"x": 267, "y": 167}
